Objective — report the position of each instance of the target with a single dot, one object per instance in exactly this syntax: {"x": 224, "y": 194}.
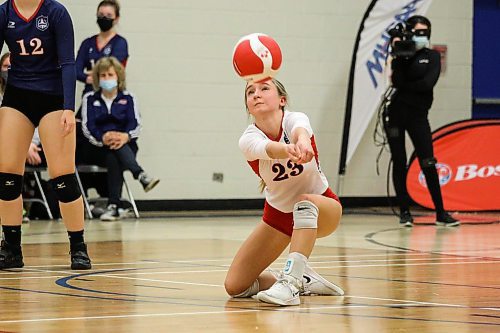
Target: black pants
{"x": 403, "y": 118}
{"x": 116, "y": 161}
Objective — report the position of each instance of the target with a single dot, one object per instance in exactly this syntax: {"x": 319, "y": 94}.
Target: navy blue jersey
{"x": 97, "y": 119}
{"x": 41, "y": 49}
{"x": 89, "y": 54}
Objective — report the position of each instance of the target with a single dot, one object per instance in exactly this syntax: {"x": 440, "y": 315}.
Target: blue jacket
{"x": 97, "y": 119}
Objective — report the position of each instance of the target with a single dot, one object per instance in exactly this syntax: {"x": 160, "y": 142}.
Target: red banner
{"x": 468, "y": 155}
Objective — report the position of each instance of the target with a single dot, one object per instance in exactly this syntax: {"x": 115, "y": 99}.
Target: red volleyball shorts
{"x": 283, "y": 222}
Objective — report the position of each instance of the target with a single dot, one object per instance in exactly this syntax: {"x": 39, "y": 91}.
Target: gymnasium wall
{"x": 192, "y": 102}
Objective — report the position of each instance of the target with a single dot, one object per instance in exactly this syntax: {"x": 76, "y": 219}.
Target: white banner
{"x": 370, "y": 77}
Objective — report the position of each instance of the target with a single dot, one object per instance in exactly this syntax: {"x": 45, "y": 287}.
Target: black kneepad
{"x": 11, "y": 186}
{"x": 66, "y": 188}
{"x": 428, "y": 162}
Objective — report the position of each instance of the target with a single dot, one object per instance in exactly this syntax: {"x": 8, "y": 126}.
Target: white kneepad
{"x": 252, "y": 290}
{"x": 305, "y": 215}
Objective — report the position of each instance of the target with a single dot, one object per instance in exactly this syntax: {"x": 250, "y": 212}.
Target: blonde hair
{"x": 103, "y": 65}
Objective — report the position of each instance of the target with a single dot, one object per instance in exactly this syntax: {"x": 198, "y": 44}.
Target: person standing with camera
{"x": 415, "y": 72}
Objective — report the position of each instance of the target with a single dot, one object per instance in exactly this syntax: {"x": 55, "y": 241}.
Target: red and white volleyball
{"x": 257, "y": 57}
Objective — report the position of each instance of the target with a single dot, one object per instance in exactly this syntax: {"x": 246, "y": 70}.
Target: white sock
{"x": 295, "y": 265}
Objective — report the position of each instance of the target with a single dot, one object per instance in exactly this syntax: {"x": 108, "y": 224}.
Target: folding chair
{"x": 36, "y": 172}
{"x": 84, "y": 168}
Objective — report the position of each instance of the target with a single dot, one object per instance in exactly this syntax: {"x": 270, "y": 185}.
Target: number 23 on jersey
{"x": 291, "y": 170}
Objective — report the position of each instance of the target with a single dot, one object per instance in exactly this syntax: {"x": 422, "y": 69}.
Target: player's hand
{"x": 33, "y": 157}
{"x": 67, "y": 122}
{"x": 306, "y": 152}
{"x": 293, "y": 152}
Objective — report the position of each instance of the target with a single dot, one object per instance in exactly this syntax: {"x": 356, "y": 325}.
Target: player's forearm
{"x": 300, "y": 134}
{"x": 276, "y": 150}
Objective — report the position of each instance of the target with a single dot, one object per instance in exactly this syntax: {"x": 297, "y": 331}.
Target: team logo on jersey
{"x": 42, "y": 22}
{"x": 11, "y": 25}
{"x": 122, "y": 102}
{"x": 107, "y": 51}
{"x": 97, "y": 103}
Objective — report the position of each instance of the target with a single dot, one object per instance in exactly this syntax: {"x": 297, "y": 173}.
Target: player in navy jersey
{"x": 40, "y": 93}
{"x": 105, "y": 44}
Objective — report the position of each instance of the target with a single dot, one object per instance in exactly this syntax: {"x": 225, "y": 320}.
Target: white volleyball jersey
{"x": 285, "y": 180}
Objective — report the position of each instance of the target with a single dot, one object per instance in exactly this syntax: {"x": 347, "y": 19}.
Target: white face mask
{"x": 420, "y": 42}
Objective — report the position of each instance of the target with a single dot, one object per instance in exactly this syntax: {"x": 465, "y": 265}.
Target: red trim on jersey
{"x": 255, "y": 166}
{"x": 315, "y": 149}
{"x": 283, "y": 222}
{"x": 277, "y": 139}
{"x": 27, "y": 20}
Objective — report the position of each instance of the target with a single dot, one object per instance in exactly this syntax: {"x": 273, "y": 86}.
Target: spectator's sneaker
{"x": 315, "y": 284}
{"x": 79, "y": 257}
{"x": 405, "y": 219}
{"x": 447, "y": 220}
{"x": 110, "y": 214}
{"x": 97, "y": 211}
{"x": 284, "y": 292}
{"x": 148, "y": 183}
{"x": 9, "y": 258}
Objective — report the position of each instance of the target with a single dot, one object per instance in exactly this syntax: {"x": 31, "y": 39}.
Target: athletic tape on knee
{"x": 305, "y": 215}
{"x": 11, "y": 186}
{"x": 428, "y": 162}
{"x": 252, "y": 290}
{"x": 66, "y": 188}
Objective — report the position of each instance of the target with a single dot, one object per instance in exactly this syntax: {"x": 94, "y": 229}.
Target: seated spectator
{"x": 111, "y": 120}
{"x": 4, "y": 72}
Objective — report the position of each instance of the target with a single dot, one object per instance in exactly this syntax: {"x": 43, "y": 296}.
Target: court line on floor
{"x": 227, "y": 312}
{"x": 34, "y": 270}
{"x": 118, "y": 275}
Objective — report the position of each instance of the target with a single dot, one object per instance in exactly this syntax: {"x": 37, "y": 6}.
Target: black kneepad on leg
{"x": 428, "y": 162}
{"x": 11, "y": 186}
{"x": 66, "y": 188}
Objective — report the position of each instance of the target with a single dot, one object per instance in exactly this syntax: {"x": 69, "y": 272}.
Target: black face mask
{"x": 104, "y": 23}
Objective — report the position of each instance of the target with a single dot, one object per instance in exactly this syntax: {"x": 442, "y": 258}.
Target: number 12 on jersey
{"x": 36, "y": 43}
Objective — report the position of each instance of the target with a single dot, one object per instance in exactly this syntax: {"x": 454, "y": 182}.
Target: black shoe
{"x": 148, "y": 183}
{"x": 405, "y": 219}
{"x": 9, "y": 258}
{"x": 445, "y": 219}
{"x": 79, "y": 257}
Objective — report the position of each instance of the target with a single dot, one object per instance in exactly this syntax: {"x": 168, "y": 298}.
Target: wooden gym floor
{"x": 166, "y": 275}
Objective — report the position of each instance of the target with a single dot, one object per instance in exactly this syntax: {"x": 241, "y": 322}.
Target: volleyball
{"x": 257, "y": 57}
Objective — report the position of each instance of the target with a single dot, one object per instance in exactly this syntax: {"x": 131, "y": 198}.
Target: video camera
{"x": 405, "y": 46}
